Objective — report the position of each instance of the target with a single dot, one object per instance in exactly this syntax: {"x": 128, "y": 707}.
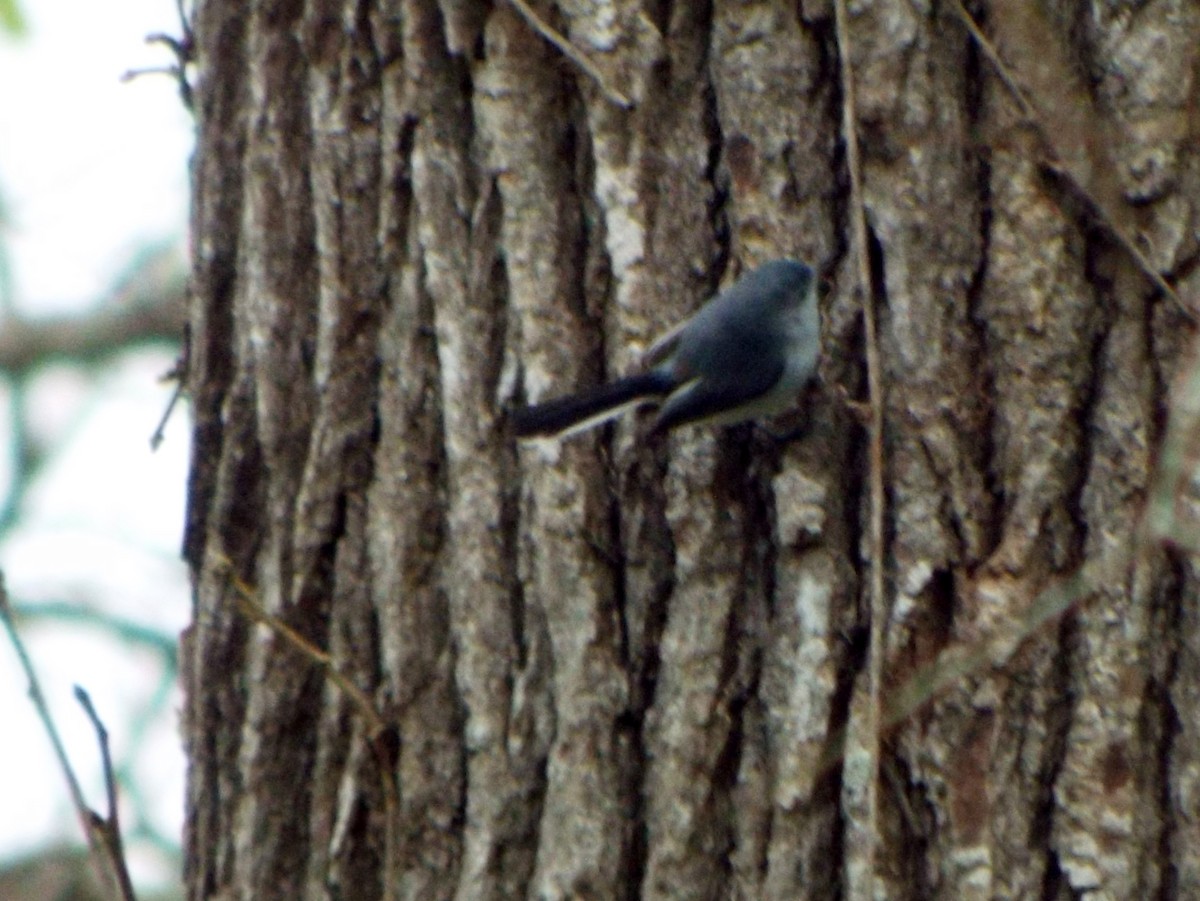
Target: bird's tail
{"x": 564, "y": 416}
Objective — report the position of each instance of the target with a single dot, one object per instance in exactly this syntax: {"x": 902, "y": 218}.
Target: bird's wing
{"x": 705, "y": 397}
{"x": 664, "y": 345}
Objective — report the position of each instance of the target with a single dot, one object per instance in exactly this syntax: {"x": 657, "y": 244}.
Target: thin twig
{"x": 1027, "y": 109}
{"x": 88, "y": 819}
{"x": 1127, "y": 243}
{"x": 858, "y": 217}
{"x": 959, "y": 661}
{"x": 156, "y": 439}
{"x": 253, "y": 610}
{"x": 377, "y": 728}
{"x": 546, "y": 30}
{"x": 179, "y": 375}
{"x": 182, "y": 48}
{"x": 1030, "y": 113}
{"x": 109, "y": 827}
{"x": 1159, "y": 522}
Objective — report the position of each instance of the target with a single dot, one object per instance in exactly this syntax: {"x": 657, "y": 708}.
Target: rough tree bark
{"x": 620, "y": 669}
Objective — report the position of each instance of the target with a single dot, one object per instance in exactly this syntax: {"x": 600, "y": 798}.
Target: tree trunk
{"x": 623, "y": 668}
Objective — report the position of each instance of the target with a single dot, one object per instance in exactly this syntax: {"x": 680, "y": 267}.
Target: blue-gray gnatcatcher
{"x": 746, "y": 354}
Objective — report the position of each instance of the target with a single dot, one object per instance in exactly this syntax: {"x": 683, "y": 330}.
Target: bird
{"x": 746, "y": 354}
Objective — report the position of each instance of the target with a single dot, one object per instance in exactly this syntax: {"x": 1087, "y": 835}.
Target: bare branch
{"x": 183, "y": 49}
{"x": 93, "y": 825}
{"x": 254, "y": 611}
{"x": 878, "y": 636}
{"x": 27, "y": 343}
{"x": 378, "y": 730}
{"x": 960, "y": 661}
{"x": 1031, "y": 115}
{"x": 546, "y": 30}
{"x": 109, "y": 827}
{"x": 178, "y": 375}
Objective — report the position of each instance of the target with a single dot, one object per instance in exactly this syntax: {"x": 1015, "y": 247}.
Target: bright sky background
{"x": 92, "y": 173}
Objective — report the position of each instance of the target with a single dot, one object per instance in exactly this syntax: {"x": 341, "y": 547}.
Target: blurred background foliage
{"x": 90, "y": 516}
